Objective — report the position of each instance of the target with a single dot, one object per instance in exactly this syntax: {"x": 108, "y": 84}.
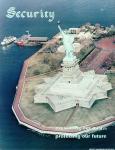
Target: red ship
{"x": 28, "y": 40}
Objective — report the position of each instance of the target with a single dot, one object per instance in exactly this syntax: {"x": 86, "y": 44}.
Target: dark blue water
{"x": 71, "y": 13}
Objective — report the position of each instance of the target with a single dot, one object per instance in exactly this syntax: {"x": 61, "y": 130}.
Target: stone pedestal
{"x": 72, "y": 87}
{"x": 71, "y": 71}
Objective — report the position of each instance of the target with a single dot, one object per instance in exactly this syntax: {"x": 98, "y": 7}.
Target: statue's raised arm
{"x": 61, "y": 31}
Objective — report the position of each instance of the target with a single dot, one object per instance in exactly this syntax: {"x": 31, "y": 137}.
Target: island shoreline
{"x": 37, "y": 126}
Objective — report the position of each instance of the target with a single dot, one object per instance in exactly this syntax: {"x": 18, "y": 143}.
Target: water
{"x": 71, "y": 13}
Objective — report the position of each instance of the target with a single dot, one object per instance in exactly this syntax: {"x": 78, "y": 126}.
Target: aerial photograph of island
{"x": 57, "y": 75}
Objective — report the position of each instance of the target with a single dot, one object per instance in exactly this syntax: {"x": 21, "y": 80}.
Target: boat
{"x": 31, "y": 41}
{"x": 20, "y": 41}
{"x": 8, "y": 40}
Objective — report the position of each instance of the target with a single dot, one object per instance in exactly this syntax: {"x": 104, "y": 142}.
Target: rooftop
{"x": 37, "y": 38}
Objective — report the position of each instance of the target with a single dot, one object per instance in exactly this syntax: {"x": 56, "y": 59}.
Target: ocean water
{"x": 71, "y": 14}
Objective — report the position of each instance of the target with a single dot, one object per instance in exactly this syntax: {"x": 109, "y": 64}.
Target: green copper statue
{"x": 68, "y": 45}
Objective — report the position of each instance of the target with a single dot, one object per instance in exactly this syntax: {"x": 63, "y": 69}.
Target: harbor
{"x": 24, "y": 40}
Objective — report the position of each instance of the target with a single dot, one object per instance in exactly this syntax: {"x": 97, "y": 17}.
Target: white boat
{"x": 8, "y": 40}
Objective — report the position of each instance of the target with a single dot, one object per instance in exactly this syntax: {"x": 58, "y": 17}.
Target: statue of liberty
{"x": 68, "y": 45}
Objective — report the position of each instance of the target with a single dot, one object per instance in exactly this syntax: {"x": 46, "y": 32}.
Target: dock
{"x": 40, "y": 40}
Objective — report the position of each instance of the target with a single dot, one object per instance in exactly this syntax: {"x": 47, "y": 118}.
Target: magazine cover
{"x": 57, "y": 75}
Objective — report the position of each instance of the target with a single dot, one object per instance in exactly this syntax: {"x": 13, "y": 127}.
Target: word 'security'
{"x": 12, "y": 12}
